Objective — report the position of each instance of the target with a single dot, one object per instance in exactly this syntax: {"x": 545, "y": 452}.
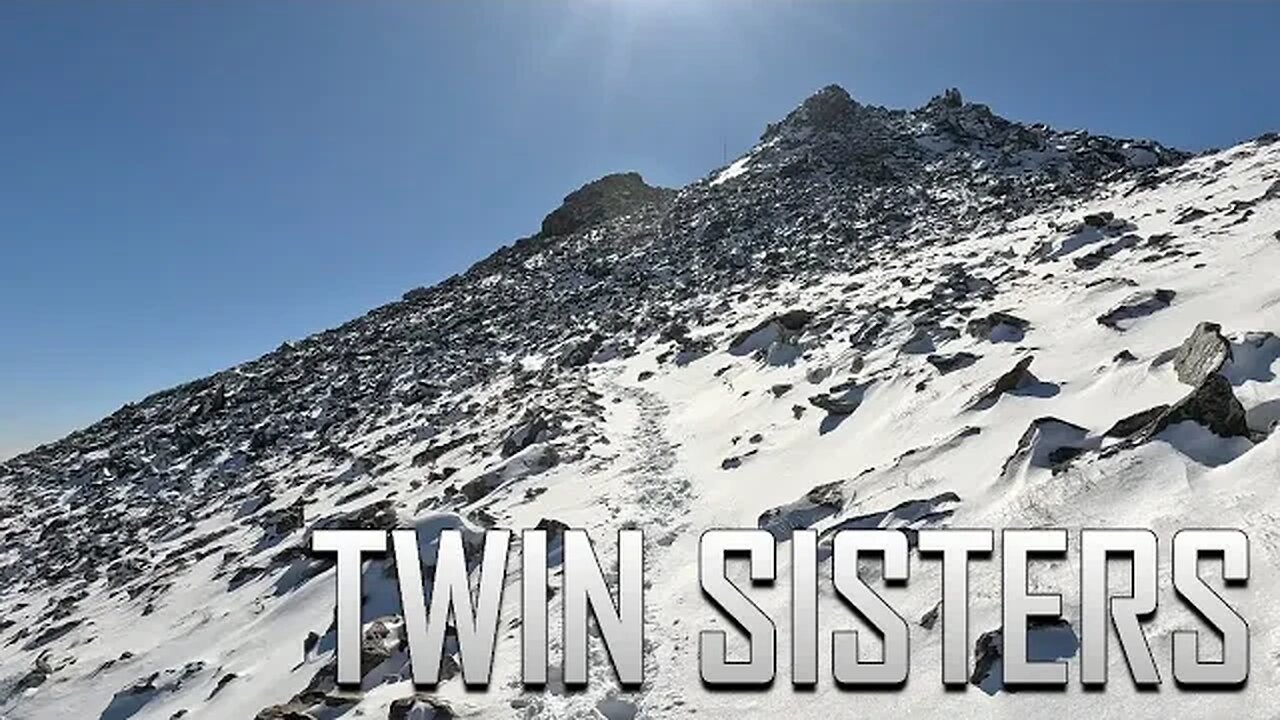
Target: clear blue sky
{"x": 184, "y": 185}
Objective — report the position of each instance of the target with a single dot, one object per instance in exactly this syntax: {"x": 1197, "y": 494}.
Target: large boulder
{"x": 1202, "y": 354}
{"x": 1212, "y": 404}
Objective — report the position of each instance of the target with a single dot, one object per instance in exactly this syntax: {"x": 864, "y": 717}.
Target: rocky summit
{"x": 835, "y": 330}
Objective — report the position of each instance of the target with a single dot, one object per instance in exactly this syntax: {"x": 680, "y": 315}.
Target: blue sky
{"x": 186, "y": 185}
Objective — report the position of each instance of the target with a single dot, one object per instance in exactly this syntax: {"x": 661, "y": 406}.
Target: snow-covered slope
{"x": 874, "y": 318}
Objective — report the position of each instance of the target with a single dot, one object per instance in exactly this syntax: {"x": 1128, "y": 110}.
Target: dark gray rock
{"x": 420, "y": 706}
{"x": 1105, "y": 252}
{"x": 1127, "y": 426}
{"x": 821, "y": 502}
{"x": 1202, "y": 354}
{"x": 1190, "y": 215}
{"x": 33, "y": 679}
{"x": 784, "y": 327}
{"x": 926, "y": 335}
{"x": 1047, "y": 443}
{"x": 1099, "y": 220}
{"x": 530, "y": 429}
{"x": 1017, "y": 378}
{"x": 579, "y": 353}
{"x": 1213, "y": 404}
{"x": 1124, "y": 356}
{"x": 617, "y": 708}
{"x": 1048, "y": 639}
{"x": 1135, "y": 306}
{"x": 950, "y": 362}
{"x": 998, "y": 327}
{"x": 601, "y": 200}
{"x": 535, "y": 459}
{"x": 930, "y": 618}
{"x": 841, "y": 400}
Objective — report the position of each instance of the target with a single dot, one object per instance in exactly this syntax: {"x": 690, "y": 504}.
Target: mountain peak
{"x": 950, "y": 98}
{"x": 828, "y": 109}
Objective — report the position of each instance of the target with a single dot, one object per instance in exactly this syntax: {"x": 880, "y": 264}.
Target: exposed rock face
{"x": 610, "y": 197}
{"x": 1202, "y": 354}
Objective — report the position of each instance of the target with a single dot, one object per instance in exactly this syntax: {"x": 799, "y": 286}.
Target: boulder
{"x": 1127, "y": 426}
{"x": 1048, "y": 639}
{"x": 821, "y": 502}
{"x": 785, "y": 328}
{"x": 420, "y": 706}
{"x": 998, "y": 327}
{"x": 1202, "y": 354}
{"x": 926, "y": 335}
{"x": 1047, "y": 443}
{"x": 1212, "y": 404}
{"x": 950, "y": 362}
{"x": 1137, "y": 305}
{"x": 526, "y": 432}
{"x": 1018, "y": 377}
{"x": 530, "y": 461}
{"x": 841, "y": 400}
{"x": 1103, "y": 253}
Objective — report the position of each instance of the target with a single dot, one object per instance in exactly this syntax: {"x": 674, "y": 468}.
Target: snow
{"x": 736, "y": 168}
